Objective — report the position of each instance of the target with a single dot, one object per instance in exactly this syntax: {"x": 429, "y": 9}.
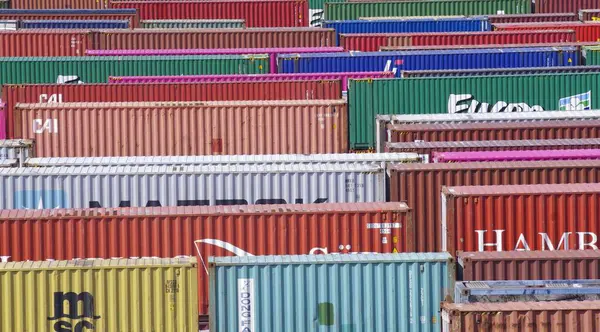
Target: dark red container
{"x": 45, "y": 42}
{"x": 420, "y": 186}
{"x": 59, "y": 4}
{"x": 585, "y": 31}
{"x": 565, "y": 6}
{"x": 589, "y": 15}
{"x": 130, "y": 16}
{"x": 257, "y": 13}
{"x": 210, "y": 91}
{"x": 372, "y": 42}
{"x": 540, "y": 17}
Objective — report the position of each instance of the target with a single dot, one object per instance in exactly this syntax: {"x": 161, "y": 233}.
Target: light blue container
{"x": 341, "y": 293}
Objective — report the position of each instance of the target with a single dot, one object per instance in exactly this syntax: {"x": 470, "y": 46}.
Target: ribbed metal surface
{"x": 585, "y": 31}
{"x": 20, "y": 149}
{"x": 74, "y": 24}
{"x": 538, "y": 17}
{"x": 42, "y": 42}
{"x": 193, "y": 24}
{"x": 116, "y": 295}
{"x": 391, "y": 292}
{"x": 525, "y": 155}
{"x": 71, "y": 14}
{"x": 589, "y": 14}
{"x": 557, "y": 6}
{"x": 504, "y": 71}
{"x": 59, "y": 4}
{"x": 82, "y": 187}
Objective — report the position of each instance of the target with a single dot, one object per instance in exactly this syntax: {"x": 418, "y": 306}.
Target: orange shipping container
{"x": 42, "y": 42}
{"x": 186, "y": 128}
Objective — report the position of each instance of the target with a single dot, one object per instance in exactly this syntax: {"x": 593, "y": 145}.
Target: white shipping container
{"x": 17, "y": 150}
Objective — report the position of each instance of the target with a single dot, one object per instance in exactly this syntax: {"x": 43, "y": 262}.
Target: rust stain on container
{"x": 30, "y": 43}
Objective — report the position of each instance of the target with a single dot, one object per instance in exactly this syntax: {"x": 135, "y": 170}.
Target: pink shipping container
{"x": 257, "y": 13}
{"x": 172, "y": 129}
{"x": 462, "y": 157}
{"x": 528, "y": 265}
{"x": 372, "y": 42}
{"x": 520, "y": 217}
{"x": 294, "y": 229}
{"x": 589, "y": 15}
{"x": 561, "y": 316}
{"x": 59, "y": 4}
{"x": 539, "y": 17}
{"x": 272, "y": 52}
{"x": 562, "y": 6}
{"x": 214, "y": 38}
{"x": 31, "y": 43}
{"x": 133, "y": 17}
{"x": 585, "y": 31}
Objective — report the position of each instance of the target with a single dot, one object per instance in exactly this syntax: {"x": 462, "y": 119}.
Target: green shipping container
{"x": 4, "y": 4}
{"x": 193, "y": 24}
{"x": 592, "y": 55}
{"x": 483, "y": 94}
{"x": 98, "y": 69}
{"x": 355, "y": 10}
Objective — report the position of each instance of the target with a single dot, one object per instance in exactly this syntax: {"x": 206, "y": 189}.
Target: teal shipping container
{"x": 341, "y": 293}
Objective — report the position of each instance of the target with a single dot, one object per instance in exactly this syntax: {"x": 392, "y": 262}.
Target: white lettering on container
{"x": 465, "y": 103}
{"x": 49, "y": 125}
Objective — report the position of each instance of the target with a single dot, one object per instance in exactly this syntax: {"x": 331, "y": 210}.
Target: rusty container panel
{"x": 72, "y": 14}
{"x": 43, "y": 42}
{"x": 171, "y": 128}
{"x": 585, "y": 31}
{"x": 560, "y": 6}
{"x": 214, "y": 38}
{"x": 209, "y": 91}
{"x": 292, "y": 229}
{"x": 443, "y": 132}
{"x": 520, "y": 217}
{"x": 538, "y": 17}
{"x": 420, "y": 185}
{"x": 59, "y": 4}
{"x": 589, "y": 15}
{"x": 257, "y": 13}
{"x": 559, "y": 316}
{"x": 528, "y": 265}
{"x": 371, "y": 42}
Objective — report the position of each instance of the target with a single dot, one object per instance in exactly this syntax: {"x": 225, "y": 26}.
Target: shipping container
{"x": 14, "y": 149}
{"x": 9, "y": 25}
{"x": 71, "y": 14}
{"x": 362, "y": 292}
{"x": 461, "y": 157}
{"x": 589, "y": 15}
{"x": 420, "y": 185}
{"x": 579, "y": 45}
{"x": 469, "y": 94}
{"x": 520, "y": 217}
{"x": 560, "y": 316}
{"x": 526, "y": 291}
{"x": 193, "y": 24}
{"x": 120, "y": 294}
{"x": 4, "y": 4}
{"x": 2, "y": 120}
{"x": 355, "y": 10}
{"x": 214, "y": 38}
{"x": 170, "y": 128}
{"x": 455, "y": 40}
{"x": 209, "y": 91}
{"x": 59, "y": 4}
{"x": 592, "y": 55}
{"x": 537, "y": 17}
{"x": 503, "y": 71}
{"x": 585, "y": 31}
{"x": 74, "y": 24}
{"x": 571, "y": 6}
{"x": 42, "y": 42}
{"x": 137, "y": 186}
{"x": 528, "y": 265}
{"x": 256, "y": 13}
{"x": 341, "y": 228}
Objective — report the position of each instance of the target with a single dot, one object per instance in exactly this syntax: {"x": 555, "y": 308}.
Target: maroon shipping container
{"x": 585, "y": 31}
{"x": 420, "y": 186}
{"x": 562, "y": 6}
{"x": 257, "y": 13}
{"x": 171, "y": 128}
{"x": 561, "y": 316}
{"x": 294, "y": 229}
{"x": 372, "y": 42}
{"x": 59, "y": 4}
{"x": 132, "y": 17}
{"x": 540, "y": 17}
{"x": 443, "y": 132}
{"x": 529, "y": 265}
{"x": 68, "y": 93}
{"x": 214, "y": 38}
{"x": 589, "y": 15}
{"x": 43, "y": 42}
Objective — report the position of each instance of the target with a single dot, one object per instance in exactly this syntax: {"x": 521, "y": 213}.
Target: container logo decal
{"x": 69, "y": 79}
{"x": 40, "y": 126}
{"x": 580, "y": 102}
{"x": 206, "y": 202}
{"x": 86, "y": 317}
{"x": 245, "y": 305}
{"x": 40, "y": 199}
{"x": 584, "y": 240}
{"x": 466, "y": 103}
{"x": 55, "y": 98}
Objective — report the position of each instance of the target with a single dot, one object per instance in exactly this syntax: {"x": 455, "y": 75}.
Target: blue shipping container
{"x": 74, "y": 24}
{"x": 428, "y": 60}
{"x": 358, "y": 292}
{"x": 526, "y": 290}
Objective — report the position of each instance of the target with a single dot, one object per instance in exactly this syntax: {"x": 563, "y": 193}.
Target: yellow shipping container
{"x": 100, "y": 295}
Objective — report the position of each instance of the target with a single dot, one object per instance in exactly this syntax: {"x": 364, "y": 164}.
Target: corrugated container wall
{"x": 59, "y": 4}
{"x": 2, "y": 120}
{"x": 71, "y": 14}
{"x": 391, "y": 292}
{"x": 170, "y": 129}
{"x": 29, "y": 43}
{"x": 83, "y": 187}
{"x": 290, "y": 13}
{"x": 528, "y": 265}
{"x": 589, "y": 15}
{"x": 503, "y": 71}
{"x": 21, "y": 149}
{"x": 420, "y": 185}
{"x": 209, "y": 91}
{"x": 538, "y": 17}
{"x": 585, "y": 31}
{"x": 571, "y": 6}
{"x": 293, "y": 229}
{"x": 526, "y": 155}
{"x": 193, "y": 24}
{"x": 74, "y": 24}
{"x": 120, "y": 294}
{"x": 560, "y": 316}
{"x": 592, "y": 55}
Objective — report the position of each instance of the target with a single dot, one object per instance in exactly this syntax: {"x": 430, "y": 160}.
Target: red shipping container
{"x": 585, "y": 31}
{"x": 529, "y": 265}
{"x": 444, "y": 132}
{"x": 589, "y": 15}
{"x": 132, "y": 17}
{"x": 420, "y": 186}
{"x": 539, "y": 17}
{"x": 30, "y": 43}
{"x": 372, "y": 42}
{"x": 68, "y": 93}
{"x": 171, "y": 128}
{"x": 562, "y": 6}
{"x": 59, "y": 4}
{"x": 257, "y": 13}
{"x": 294, "y": 229}
{"x": 214, "y": 38}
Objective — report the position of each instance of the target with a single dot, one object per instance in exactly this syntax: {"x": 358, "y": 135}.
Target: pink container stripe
{"x": 272, "y": 52}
